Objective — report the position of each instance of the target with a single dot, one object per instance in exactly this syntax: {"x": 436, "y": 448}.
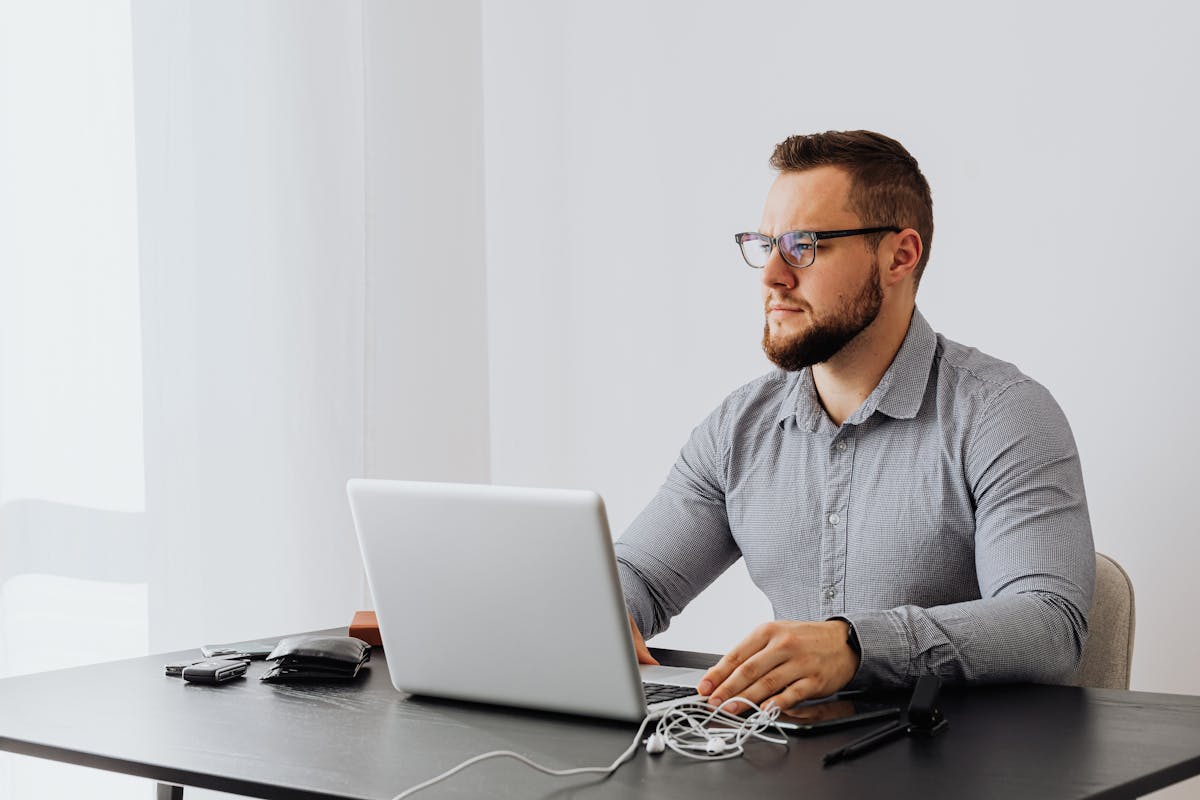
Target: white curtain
{"x": 181, "y": 332}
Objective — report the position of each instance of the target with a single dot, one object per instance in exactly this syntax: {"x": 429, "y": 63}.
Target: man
{"x": 908, "y": 505}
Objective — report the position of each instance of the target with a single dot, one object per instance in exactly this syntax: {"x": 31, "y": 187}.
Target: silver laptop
{"x": 504, "y": 595}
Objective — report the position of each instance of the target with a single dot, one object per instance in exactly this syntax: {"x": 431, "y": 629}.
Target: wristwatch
{"x": 852, "y": 637}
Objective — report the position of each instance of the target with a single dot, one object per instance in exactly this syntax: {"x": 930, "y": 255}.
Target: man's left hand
{"x": 783, "y": 662}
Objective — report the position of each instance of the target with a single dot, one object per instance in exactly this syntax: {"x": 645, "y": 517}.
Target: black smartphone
{"x": 251, "y": 650}
{"x": 833, "y": 713}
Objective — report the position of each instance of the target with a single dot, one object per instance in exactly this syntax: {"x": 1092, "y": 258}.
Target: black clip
{"x": 923, "y": 718}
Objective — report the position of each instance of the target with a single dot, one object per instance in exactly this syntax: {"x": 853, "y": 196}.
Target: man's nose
{"x": 777, "y": 272}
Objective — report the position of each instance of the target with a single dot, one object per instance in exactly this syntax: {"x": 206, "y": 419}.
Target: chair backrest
{"x": 1109, "y": 648}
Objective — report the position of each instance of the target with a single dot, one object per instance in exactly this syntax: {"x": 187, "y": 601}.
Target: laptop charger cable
{"x": 693, "y": 729}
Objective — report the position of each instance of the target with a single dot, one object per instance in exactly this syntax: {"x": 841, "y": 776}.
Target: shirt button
{"x": 830, "y": 593}
{"x": 834, "y": 518}
{"x": 841, "y": 447}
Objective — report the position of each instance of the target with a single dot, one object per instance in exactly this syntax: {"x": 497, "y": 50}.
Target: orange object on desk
{"x": 366, "y": 627}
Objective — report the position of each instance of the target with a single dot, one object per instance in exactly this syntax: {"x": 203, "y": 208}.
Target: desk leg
{"x": 168, "y": 791}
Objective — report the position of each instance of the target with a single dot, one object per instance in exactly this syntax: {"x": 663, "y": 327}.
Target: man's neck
{"x": 846, "y": 380}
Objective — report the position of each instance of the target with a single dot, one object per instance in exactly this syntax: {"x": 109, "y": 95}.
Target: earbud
{"x": 656, "y": 744}
{"x": 715, "y": 747}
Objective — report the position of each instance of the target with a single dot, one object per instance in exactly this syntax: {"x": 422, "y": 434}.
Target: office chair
{"x": 1109, "y": 648}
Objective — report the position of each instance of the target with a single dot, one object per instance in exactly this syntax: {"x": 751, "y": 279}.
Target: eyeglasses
{"x": 798, "y": 248}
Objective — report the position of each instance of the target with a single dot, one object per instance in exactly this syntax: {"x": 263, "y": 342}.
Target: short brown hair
{"x": 886, "y": 185}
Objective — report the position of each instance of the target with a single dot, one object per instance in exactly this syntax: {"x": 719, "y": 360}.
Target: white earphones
{"x": 699, "y": 731}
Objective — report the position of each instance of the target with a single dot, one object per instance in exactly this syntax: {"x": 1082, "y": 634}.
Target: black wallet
{"x": 317, "y": 657}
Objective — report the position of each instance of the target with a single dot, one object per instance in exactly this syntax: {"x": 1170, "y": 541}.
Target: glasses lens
{"x": 797, "y": 248}
{"x": 756, "y": 248}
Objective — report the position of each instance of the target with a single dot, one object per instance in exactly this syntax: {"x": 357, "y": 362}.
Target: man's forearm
{"x": 1033, "y": 636}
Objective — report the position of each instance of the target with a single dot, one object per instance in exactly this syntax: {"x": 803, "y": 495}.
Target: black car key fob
{"x": 214, "y": 670}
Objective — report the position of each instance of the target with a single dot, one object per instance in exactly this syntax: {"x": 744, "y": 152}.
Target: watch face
{"x": 852, "y": 639}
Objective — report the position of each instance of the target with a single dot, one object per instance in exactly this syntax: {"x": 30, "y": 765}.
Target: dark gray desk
{"x": 367, "y": 741}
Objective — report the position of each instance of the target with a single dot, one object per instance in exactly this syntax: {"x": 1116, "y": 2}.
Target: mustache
{"x": 794, "y": 304}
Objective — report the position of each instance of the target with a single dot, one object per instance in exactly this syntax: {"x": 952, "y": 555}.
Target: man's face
{"x": 812, "y": 313}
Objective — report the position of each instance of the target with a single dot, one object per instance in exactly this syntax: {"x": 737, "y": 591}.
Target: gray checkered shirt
{"x": 946, "y": 518}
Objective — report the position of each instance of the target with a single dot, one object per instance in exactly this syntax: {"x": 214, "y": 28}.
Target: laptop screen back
{"x": 499, "y": 595}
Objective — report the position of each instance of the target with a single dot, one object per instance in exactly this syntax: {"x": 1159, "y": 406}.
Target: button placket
{"x": 833, "y": 535}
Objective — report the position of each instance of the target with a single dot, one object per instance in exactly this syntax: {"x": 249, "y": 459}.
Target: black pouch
{"x": 317, "y": 658}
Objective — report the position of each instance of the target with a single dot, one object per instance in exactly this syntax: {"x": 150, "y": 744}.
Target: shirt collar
{"x": 801, "y": 401}
{"x": 899, "y": 393}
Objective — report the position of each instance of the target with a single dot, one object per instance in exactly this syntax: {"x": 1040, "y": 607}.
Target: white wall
{"x": 251, "y": 211}
{"x": 70, "y": 339}
{"x": 302, "y": 168}
{"x": 426, "y": 392}
{"x": 627, "y": 141}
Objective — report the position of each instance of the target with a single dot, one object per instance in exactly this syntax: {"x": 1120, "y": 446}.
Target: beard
{"x": 826, "y": 337}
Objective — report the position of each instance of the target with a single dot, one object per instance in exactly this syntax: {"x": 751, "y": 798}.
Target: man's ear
{"x": 906, "y": 249}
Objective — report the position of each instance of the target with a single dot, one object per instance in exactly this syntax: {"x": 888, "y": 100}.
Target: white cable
{"x": 509, "y": 754}
{"x": 692, "y": 729}
{"x": 698, "y": 731}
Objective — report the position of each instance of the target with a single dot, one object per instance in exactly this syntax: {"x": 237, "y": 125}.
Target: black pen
{"x": 868, "y": 742}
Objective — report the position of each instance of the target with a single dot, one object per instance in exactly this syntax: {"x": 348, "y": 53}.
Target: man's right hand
{"x": 639, "y": 645}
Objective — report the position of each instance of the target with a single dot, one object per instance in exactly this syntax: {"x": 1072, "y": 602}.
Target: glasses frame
{"x": 817, "y": 237}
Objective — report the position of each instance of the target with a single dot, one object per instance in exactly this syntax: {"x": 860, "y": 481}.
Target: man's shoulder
{"x": 774, "y": 384}
{"x": 997, "y": 406}
{"x": 764, "y": 390}
{"x": 969, "y": 372}
{"x": 758, "y": 398}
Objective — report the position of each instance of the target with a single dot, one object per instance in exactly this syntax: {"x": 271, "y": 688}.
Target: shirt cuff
{"x": 886, "y": 653}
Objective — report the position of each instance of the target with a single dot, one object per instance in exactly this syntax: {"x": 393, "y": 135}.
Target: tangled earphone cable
{"x": 699, "y": 731}
{"x": 691, "y": 729}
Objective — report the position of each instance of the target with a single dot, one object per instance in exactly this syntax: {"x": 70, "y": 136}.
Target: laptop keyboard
{"x": 661, "y": 692}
